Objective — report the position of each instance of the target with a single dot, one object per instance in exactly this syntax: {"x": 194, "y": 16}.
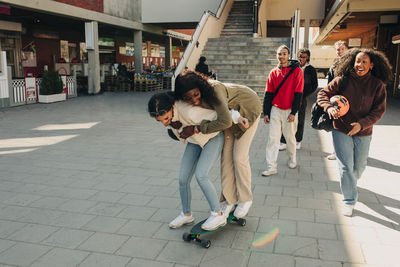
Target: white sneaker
{"x": 347, "y": 209}
{"x": 298, "y": 145}
{"x": 226, "y": 208}
{"x": 181, "y": 220}
{"x": 292, "y": 163}
{"x": 282, "y": 146}
{"x": 214, "y": 221}
{"x": 242, "y": 209}
{"x": 269, "y": 171}
{"x": 331, "y": 156}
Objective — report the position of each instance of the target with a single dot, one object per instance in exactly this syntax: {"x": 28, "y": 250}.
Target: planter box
{"x": 52, "y": 98}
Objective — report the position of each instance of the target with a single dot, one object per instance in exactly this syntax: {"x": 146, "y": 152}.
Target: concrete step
{"x": 246, "y": 59}
{"x": 250, "y": 40}
{"x": 259, "y": 67}
{"x": 243, "y": 52}
{"x": 234, "y": 35}
{"x": 250, "y": 49}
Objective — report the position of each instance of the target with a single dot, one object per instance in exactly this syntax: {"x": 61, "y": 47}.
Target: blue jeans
{"x": 352, "y": 154}
{"x": 198, "y": 161}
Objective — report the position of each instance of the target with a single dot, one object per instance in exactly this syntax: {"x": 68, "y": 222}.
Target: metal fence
{"x": 18, "y": 97}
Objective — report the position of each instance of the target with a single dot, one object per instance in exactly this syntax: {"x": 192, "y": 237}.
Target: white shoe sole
{"x": 265, "y": 173}
{"x": 180, "y": 225}
{"x": 214, "y": 228}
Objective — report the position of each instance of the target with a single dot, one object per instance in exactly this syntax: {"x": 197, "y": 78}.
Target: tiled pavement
{"x": 93, "y": 182}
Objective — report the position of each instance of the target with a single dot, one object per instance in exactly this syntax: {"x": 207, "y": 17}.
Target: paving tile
{"x": 307, "y": 262}
{"x": 105, "y": 260}
{"x": 268, "y": 190}
{"x": 103, "y": 242}
{"x": 135, "y": 199}
{"x": 149, "y": 263}
{"x": 225, "y": 257}
{"x": 5, "y": 244}
{"x": 265, "y": 212}
{"x": 105, "y": 196}
{"x": 137, "y": 212}
{"x": 106, "y": 209}
{"x": 387, "y": 256}
{"x": 105, "y": 224}
{"x": 366, "y": 235}
{"x": 296, "y": 246}
{"x": 140, "y": 229}
{"x": 296, "y": 214}
{"x": 77, "y": 205}
{"x": 23, "y": 254}
{"x": 182, "y": 253}
{"x": 164, "y": 202}
{"x": 317, "y": 230}
{"x": 281, "y": 201}
{"x": 61, "y": 257}
{"x": 33, "y": 233}
{"x": 345, "y": 251}
{"x": 9, "y": 227}
{"x": 260, "y": 259}
{"x": 285, "y": 227}
{"x": 139, "y": 247}
{"x": 22, "y": 199}
{"x": 318, "y": 204}
{"x": 67, "y": 238}
{"x": 73, "y": 220}
{"x": 48, "y": 202}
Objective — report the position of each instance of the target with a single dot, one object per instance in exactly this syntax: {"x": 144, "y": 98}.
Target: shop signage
{"x": 103, "y": 41}
{"x": 30, "y": 85}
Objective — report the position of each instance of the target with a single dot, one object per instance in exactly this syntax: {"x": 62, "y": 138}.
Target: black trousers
{"x": 300, "y": 124}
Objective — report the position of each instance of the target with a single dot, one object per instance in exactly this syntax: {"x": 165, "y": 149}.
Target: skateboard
{"x": 197, "y": 231}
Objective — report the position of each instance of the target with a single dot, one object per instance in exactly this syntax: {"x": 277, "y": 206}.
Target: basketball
{"x": 341, "y": 104}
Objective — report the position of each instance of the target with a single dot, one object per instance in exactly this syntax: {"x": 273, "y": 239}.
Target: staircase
{"x": 240, "y": 20}
{"x": 239, "y": 58}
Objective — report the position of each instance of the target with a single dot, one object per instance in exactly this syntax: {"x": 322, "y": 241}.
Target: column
{"x": 306, "y": 32}
{"x": 168, "y": 52}
{"x": 138, "y": 51}
{"x": 93, "y": 57}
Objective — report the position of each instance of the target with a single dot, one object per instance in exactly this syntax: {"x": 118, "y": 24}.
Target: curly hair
{"x": 160, "y": 103}
{"x": 189, "y": 80}
{"x": 381, "y": 70}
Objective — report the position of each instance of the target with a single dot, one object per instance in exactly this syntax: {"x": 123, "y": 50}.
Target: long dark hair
{"x": 189, "y": 80}
{"x": 160, "y": 103}
{"x": 381, "y": 70}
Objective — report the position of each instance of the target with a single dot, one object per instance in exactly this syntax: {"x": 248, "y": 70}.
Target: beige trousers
{"x": 235, "y": 166}
{"x": 278, "y": 125}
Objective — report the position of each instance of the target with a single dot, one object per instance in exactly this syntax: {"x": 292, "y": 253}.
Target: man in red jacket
{"x": 280, "y": 109}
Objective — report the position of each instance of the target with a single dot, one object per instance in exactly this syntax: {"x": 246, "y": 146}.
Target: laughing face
{"x": 362, "y": 64}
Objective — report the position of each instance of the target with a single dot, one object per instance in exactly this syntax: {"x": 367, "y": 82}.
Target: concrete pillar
{"x": 306, "y": 32}
{"x": 168, "y": 52}
{"x": 94, "y": 63}
{"x": 138, "y": 51}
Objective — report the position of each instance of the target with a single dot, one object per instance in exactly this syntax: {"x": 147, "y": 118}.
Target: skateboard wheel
{"x": 242, "y": 222}
{"x": 205, "y": 243}
{"x": 187, "y": 237}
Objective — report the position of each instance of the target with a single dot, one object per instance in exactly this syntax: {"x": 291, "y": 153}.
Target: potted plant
{"x": 51, "y": 88}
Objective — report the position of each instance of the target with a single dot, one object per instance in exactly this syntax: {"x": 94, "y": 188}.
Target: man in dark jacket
{"x": 202, "y": 67}
{"x": 310, "y": 85}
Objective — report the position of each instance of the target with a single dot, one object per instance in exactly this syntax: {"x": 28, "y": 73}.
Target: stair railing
{"x": 256, "y": 8}
{"x": 194, "y": 41}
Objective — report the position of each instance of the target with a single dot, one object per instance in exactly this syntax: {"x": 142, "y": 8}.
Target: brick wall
{"x": 95, "y": 5}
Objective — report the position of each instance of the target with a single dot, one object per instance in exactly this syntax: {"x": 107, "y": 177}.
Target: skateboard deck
{"x": 197, "y": 231}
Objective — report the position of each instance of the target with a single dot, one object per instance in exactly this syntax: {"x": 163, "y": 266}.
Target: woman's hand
{"x": 266, "y": 119}
{"x": 290, "y": 118}
{"x": 332, "y": 112}
{"x": 244, "y": 122}
{"x": 187, "y": 132}
{"x": 176, "y": 124}
{"x": 356, "y": 128}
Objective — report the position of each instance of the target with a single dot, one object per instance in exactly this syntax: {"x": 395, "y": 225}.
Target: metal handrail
{"x": 194, "y": 40}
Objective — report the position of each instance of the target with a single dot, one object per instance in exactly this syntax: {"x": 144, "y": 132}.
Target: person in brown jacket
{"x": 196, "y": 89}
{"x": 365, "y": 73}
